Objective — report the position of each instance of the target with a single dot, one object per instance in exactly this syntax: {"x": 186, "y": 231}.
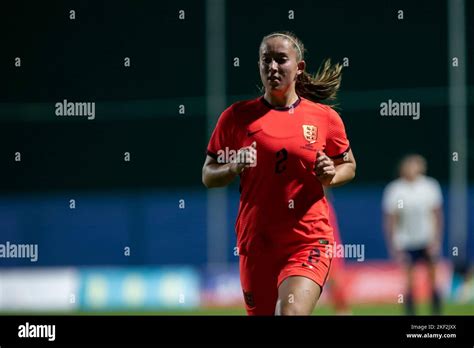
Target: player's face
{"x": 279, "y": 65}
{"x": 411, "y": 169}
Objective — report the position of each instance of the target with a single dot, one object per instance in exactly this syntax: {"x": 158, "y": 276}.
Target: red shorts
{"x": 337, "y": 264}
{"x": 261, "y": 275}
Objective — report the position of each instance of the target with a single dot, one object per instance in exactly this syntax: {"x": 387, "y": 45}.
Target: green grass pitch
{"x": 362, "y": 309}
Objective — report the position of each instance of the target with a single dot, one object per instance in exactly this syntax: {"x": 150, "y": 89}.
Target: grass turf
{"x": 368, "y": 309}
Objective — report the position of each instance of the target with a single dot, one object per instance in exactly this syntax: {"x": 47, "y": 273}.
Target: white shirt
{"x": 413, "y": 202}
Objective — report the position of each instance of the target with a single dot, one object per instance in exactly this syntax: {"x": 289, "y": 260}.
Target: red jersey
{"x": 282, "y": 203}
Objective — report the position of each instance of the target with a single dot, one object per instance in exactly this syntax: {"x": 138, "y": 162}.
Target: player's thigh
{"x": 430, "y": 261}
{"x": 302, "y": 278}
{"x": 408, "y": 269}
{"x": 297, "y": 295}
{"x": 259, "y": 277}
{"x": 409, "y": 260}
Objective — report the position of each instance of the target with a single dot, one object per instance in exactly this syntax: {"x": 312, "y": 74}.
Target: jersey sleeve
{"x": 222, "y": 136}
{"x": 337, "y": 143}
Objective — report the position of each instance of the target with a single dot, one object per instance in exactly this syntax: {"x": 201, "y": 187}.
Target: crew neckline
{"x": 280, "y": 108}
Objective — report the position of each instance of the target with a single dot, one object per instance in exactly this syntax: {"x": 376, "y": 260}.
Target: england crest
{"x": 310, "y": 133}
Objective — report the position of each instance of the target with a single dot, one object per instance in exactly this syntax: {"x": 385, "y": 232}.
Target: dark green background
{"x": 137, "y": 107}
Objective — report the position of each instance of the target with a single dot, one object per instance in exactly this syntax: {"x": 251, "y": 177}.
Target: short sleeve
{"x": 389, "y": 199}
{"x": 222, "y": 136}
{"x": 337, "y": 143}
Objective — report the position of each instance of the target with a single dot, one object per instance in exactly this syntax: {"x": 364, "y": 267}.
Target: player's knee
{"x": 291, "y": 309}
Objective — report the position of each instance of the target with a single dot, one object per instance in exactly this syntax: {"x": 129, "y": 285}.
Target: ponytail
{"x": 321, "y": 86}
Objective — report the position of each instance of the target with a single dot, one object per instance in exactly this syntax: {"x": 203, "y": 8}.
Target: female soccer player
{"x": 283, "y": 232}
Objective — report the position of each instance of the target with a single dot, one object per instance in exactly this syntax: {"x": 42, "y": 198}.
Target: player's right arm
{"x": 391, "y": 219}
{"x": 215, "y": 174}
{"x": 219, "y": 169}
{"x": 390, "y": 222}
{"x": 437, "y": 214}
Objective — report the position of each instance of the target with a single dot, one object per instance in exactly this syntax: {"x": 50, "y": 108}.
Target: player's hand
{"x": 324, "y": 169}
{"x": 246, "y": 157}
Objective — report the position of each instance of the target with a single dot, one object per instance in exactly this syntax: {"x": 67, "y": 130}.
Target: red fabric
{"x": 262, "y": 274}
{"x": 337, "y": 262}
{"x": 283, "y": 214}
{"x": 282, "y": 203}
{"x": 337, "y": 277}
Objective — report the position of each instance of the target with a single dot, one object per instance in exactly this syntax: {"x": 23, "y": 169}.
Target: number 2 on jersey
{"x": 280, "y": 165}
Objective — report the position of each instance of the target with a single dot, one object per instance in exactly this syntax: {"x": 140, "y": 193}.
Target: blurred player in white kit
{"x": 413, "y": 223}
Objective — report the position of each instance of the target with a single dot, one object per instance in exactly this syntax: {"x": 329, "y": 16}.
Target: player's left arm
{"x": 337, "y": 165}
{"x": 438, "y": 219}
{"x": 439, "y": 223}
{"x": 335, "y": 172}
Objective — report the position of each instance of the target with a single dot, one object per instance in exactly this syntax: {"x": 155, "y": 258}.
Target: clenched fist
{"x": 246, "y": 157}
{"x": 324, "y": 168}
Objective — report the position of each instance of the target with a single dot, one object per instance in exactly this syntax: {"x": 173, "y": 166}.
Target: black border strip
{"x": 225, "y": 330}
